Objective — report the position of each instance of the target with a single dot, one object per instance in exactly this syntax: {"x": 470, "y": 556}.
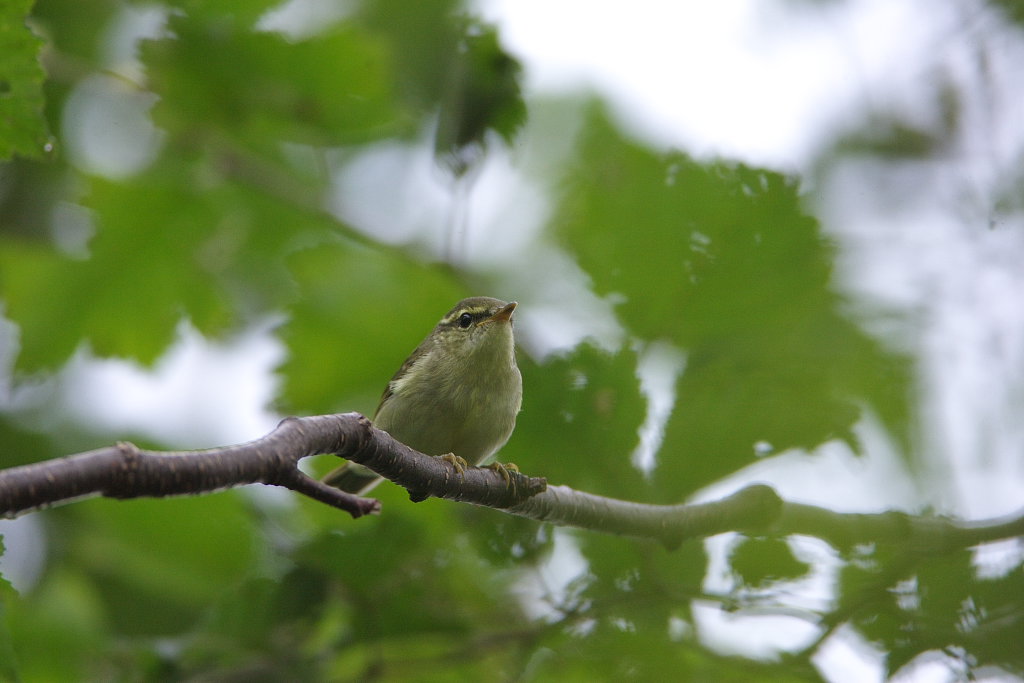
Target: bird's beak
{"x": 502, "y": 316}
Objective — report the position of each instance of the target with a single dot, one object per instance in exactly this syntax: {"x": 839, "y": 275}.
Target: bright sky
{"x": 759, "y": 81}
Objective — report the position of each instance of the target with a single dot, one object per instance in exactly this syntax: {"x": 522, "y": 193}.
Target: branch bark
{"x": 126, "y": 471}
{"x": 758, "y": 510}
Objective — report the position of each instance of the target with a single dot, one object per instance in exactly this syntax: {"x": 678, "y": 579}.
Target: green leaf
{"x": 482, "y": 95}
{"x": 457, "y": 65}
{"x": 579, "y": 422}
{"x": 508, "y": 541}
{"x": 157, "y": 564}
{"x": 401, "y": 577}
{"x": 760, "y": 562}
{"x": 720, "y": 260}
{"x": 631, "y": 593}
{"x": 63, "y": 615}
{"x": 422, "y": 37}
{"x": 360, "y": 313}
{"x": 263, "y": 623}
{"x": 912, "y": 606}
{"x": 992, "y": 619}
{"x": 23, "y": 128}
{"x": 215, "y": 78}
{"x": 74, "y": 28}
{"x": 22, "y": 446}
{"x": 176, "y": 242}
{"x": 8, "y": 662}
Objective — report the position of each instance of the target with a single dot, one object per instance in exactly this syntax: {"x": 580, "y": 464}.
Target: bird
{"x": 456, "y": 396}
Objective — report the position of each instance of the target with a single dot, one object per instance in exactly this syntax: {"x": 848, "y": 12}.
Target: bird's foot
{"x": 455, "y": 461}
{"x": 504, "y": 469}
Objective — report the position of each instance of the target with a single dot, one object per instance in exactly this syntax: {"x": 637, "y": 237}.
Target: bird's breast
{"x": 469, "y": 416}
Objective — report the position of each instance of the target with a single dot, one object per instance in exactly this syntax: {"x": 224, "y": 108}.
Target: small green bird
{"x": 457, "y": 395}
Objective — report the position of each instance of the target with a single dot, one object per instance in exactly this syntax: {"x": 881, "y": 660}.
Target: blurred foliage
{"x": 255, "y": 99}
{"x": 907, "y": 605}
{"x": 225, "y": 225}
{"x": 327, "y": 329}
{"x": 1014, "y": 9}
{"x": 22, "y": 127}
{"x": 721, "y": 260}
{"x": 481, "y": 95}
{"x": 579, "y": 422}
{"x": 8, "y": 666}
{"x": 759, "y": 562}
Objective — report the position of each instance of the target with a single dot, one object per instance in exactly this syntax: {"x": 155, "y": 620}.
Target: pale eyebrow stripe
{"x": 477, "y": 314}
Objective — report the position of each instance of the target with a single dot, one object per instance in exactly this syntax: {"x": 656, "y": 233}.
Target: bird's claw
{"x": 455, "y": 461}
{"x": 460, "y": 466}
{"x": 504, "y": 469}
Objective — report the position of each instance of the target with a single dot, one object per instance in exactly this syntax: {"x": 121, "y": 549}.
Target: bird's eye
{"x": 465, "y": 320}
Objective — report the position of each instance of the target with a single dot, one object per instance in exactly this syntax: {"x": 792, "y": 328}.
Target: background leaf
{"x": 758, "y": 562}
{"x": 743, "y": 287}
{"x": 22, "y": 126}
{"x": 579, "y": 421}
{"x": 327, "y": 328}
{"x": 256, "y": 96}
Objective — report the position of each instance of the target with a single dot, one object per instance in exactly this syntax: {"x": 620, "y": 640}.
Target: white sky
{"x": 759, "y": 81}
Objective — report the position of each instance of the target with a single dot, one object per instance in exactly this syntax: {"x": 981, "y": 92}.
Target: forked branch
{"x": 126, "y": 471}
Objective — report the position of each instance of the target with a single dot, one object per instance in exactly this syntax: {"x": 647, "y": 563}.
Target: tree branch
{"x": 748, "y": 509}
{"x": 758, "y": 509}
{"x": 126, "y": 471}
